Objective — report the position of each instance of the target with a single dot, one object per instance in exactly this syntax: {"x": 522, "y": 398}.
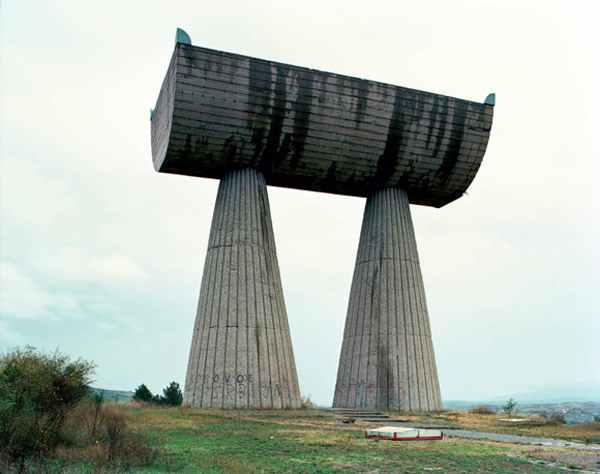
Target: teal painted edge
{"x": 151, "y": 113}
{"x": 182, "y": 37}
{"x": 490, "y": 99}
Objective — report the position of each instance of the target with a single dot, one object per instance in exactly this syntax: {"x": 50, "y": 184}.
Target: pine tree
{"x": 143, "y": 394}
{"x": 172, "y": 395}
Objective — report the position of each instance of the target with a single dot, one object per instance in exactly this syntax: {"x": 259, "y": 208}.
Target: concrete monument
{"x": 252, "y": 123}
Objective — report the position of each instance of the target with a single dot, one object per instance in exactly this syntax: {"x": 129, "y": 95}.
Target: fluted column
{"x": 241, "y": 354}
{"x": 387, "y": 359}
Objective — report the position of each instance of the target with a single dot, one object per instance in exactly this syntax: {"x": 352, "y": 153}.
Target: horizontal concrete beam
{"x": 314, "y": 130}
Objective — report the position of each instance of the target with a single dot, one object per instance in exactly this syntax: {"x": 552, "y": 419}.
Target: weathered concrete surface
{"x": 314, "y": 130}
{"x": 387, "y": 359}
{"x": 241, "y": 354}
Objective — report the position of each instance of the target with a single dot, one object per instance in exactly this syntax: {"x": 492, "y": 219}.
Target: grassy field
{"x": 312, "y": 441}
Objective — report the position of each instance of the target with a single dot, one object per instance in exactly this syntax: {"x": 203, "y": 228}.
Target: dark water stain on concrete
{"x": 263, "y": 217}
{"x": 456, "y": 137}
{"x": 269, "y": 154}
{"x": 191, "y": 157}
{"x": 257, "y": 142}
{"x": 230, "y": 148}
{"x": 362, "y": 92}
{"x": 259, "y": 103}
{"x": 432, "y": 117}
{"x": 383, "y": 374}
{"x": 386, "y": 165}
{"x": 443, "y": 118}
{"x": 283, "y": 150}
{"x": 186, "y": 153}
{"x": 404, "y": 181}
{"x": 302, "y": 109}
{"x": 330, "y": 176}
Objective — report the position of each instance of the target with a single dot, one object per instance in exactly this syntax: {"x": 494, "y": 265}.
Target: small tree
{"x": 92, "y": 418}
{"x": 142, "y": 393}
{"x": 172, "y": 395}
{"x": 510, "y": 407}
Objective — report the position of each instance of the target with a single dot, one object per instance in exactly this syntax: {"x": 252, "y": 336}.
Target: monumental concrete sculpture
{"x": 252, "y": 123}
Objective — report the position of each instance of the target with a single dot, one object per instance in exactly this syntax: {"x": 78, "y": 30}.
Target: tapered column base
{"x": 241, "y": 354}
{"x": 387, "y": 359}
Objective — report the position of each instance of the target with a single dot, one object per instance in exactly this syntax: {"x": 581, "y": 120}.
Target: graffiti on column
{"x": 239, "y": 385}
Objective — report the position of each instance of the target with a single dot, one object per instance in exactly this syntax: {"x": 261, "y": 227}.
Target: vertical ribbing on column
{"x": 387, "y": 359}
{"x": 241, "y": 354}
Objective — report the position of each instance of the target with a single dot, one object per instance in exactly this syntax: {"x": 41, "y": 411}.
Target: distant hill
{"x": 554, "y": 393}
{"x": 542, "y": 394}
{"x": 574, "y": 412}
{"x": 116, "y": 395}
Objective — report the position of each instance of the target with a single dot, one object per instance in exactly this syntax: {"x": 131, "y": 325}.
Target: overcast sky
{"x": 102, "y": 257}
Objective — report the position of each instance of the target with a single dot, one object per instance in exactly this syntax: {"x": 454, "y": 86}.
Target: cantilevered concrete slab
{"x": 251, "y": 123}
{"x": 312, "y": 130}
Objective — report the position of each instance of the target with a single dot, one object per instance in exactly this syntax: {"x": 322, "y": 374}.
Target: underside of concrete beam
{"x": 387, "y": 359}
{"x": 241, "y": 354}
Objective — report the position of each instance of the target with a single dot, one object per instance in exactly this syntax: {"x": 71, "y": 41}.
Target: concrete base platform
{"x": 404, "y": 434}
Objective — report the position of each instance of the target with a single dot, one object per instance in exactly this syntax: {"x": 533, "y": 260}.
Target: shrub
{"x": 99, "y": 437}
{"x": 49, "y": 420}
{"x": 306, "y": 403}
{"x": 37, "y": 392}
{"x": 481, "y": 410}
{"x": 557, "y": 418}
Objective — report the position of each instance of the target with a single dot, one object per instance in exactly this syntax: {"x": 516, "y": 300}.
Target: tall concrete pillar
{"x": 387, "y": 358}
{"x": 241, "y": 354}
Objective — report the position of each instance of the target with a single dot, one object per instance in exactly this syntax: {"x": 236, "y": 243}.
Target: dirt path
{"x": 519, "y": 439}
{"x": 506, "y": 438}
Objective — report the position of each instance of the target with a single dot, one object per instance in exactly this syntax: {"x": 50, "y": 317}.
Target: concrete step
{"x": 360, "y": 415}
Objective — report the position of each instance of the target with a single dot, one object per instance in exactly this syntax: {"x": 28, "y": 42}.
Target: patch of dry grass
{"x": 587, "y": 433}
{"x": 568, "y": 457}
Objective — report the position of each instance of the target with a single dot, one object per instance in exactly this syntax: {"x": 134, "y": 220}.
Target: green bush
{"x": 37, "y": 392}
{"x": 51, "y": 422}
